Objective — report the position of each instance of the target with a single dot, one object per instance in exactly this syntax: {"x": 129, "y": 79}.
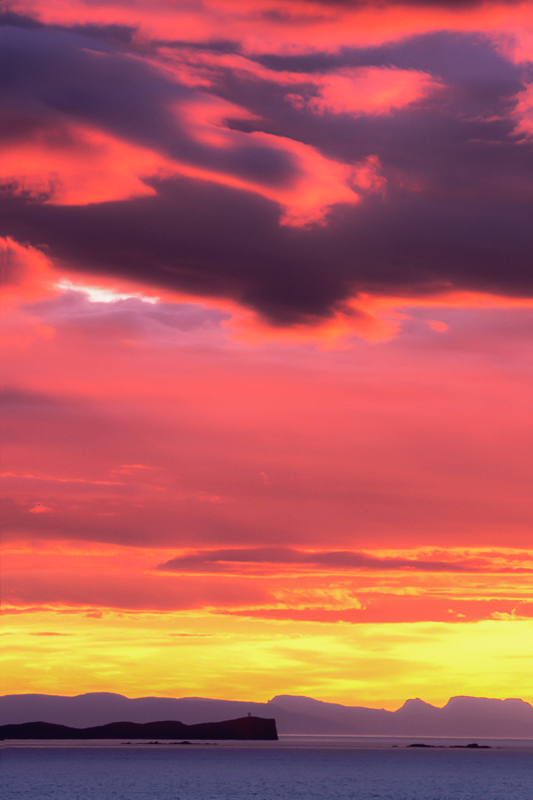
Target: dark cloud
{"x": 54, "y": 75}
{"x": 463, "y": 58}
{"x": 474, "y": 97}
{"x": 202, "y": 238}
{"x": 18, "y": 20}
{"x": 222, "y": 46}
{"x": 456, "y": 210}
{"x": 222, "y": 561}
{"x": 215, "y": 241}
{"x": 121, "y": 35}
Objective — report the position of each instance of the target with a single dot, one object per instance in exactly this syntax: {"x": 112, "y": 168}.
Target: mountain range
{"x": 460, "y": 717}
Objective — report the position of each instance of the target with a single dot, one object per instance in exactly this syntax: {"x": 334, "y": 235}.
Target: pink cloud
{"x": 368, "y": 90}
{"x": 436, "y": 325}
{"x": 524, "y": 111}
{"x": 27, "y": 275}
{"x": 301, "y": 26}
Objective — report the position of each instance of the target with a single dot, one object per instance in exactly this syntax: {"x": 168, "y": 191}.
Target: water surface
{"x": 296, "y": 768}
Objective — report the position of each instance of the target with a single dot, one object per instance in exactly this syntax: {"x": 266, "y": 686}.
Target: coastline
{"x": 296, "y": 742}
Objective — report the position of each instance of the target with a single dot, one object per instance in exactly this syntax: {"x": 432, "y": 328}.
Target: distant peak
{"x": 300, "y": 702}
{"x": 463, "y": 700}
{"x": 294, "y": 698}
{"x": 415, "y": 703}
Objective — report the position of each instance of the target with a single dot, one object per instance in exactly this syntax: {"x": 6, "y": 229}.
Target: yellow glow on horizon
{"x": 182, "y": 654}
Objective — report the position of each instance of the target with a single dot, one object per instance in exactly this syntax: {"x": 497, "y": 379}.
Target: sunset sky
{"x": 267, "y": 348}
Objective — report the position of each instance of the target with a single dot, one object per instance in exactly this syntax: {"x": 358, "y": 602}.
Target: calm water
{"x": 288, "y": 770}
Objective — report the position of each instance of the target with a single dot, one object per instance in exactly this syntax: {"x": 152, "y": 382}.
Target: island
{"x": 244, "y": 728}
{"x": 472, "y": 746}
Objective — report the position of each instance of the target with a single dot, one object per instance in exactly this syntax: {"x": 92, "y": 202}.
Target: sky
{"x": 267, "y": 334}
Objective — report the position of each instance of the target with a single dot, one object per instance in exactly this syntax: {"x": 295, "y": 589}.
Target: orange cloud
{"x": 79, "y": 165}
{"x": 368, "y": 90}
{"x": 352, "y": 90}
{"x": 317, "y": 184}
{"x": 27, "y": 274}
{"x": 90, "y": 166}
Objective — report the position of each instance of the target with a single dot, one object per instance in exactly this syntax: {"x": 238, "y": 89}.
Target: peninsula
{"x": 245, "y": 728}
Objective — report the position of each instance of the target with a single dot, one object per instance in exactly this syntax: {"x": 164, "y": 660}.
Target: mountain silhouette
{"x": 460, "y": 717}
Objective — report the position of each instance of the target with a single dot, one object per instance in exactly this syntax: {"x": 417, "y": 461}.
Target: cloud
{"x": 85, "y": 310}
{"x": 203, "y": 188}
{"x": 367, "y": 90}
{"x": 272, "y": 582}
{"x": 65, "y": 89}
{"x": 291, "y": 26}
{"x": 395, "y": 609}
{"x": 455, "y": 5}
{"x": 234, "y": 559}
{"x": 403, "y": 246}
{"x": 11, "y": 18}
{"x": 26, "y": 273}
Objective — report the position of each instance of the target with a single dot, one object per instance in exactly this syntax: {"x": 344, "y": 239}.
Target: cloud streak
{"x": 228, "y": 560}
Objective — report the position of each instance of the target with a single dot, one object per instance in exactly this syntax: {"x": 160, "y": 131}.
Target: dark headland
{"x": 245, "y": 728}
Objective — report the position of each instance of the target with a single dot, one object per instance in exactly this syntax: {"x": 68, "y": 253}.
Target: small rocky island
{"x": 244, "y": 728}
{"x": 472, "y": 746}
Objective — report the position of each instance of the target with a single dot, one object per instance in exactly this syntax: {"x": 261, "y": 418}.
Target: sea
{"x": 295, "y": 768}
